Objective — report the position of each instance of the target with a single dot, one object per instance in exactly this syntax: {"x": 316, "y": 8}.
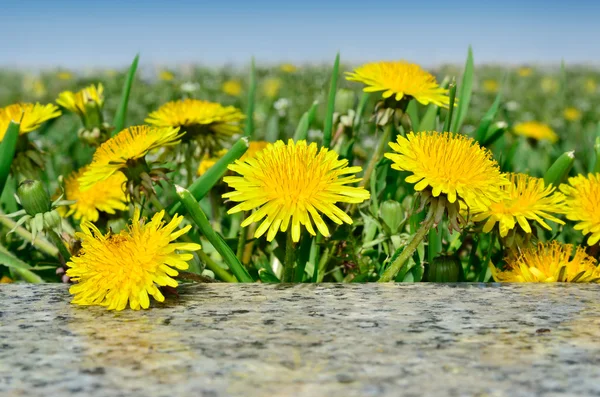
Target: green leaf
{"x": 428, "y": 121}
{"x": 466, "y": 89}
{"x": 249, "y": 131}
{"x": 18, "y": 266}
{"x": 328, "y": 128}
{"x": 413, "y": 113}
{"x": 7, "y": 151}
{"x": 488, "y": 118}
{"x": 200, "y": 219}
{"x": 201, "y": 186}
{"x": 304, "y": 124}
{"x": 119, "y": 121}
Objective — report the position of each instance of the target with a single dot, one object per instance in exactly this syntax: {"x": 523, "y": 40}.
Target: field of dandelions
{"x": 127, "y": 183}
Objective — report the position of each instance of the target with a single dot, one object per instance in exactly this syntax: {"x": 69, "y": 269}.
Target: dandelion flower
{"x": 291, "y": 184}
{"x": 490, "y": 86}
{"x": 210, "y": 124}
{"x": 165, "y": 75}
{"x": 572, "y": 114}
{"x": 232, "y": 87}
{"x": 121, "y": 152}
{"x": 401, "y": 79}
{"x": 288, "y": 68}
{"x": 535, "y": 130}
{"x": 526, "y": 199}
{"x": 549, "y": 263}
{"x": 271, "y": 87}
{"x": 29, "y": 115}
{"x": 582, "y": 203}
{"x": 591, "y": 86}
{"x": 525, "y": 71}
{"x": 106, "y": 196}
{"x": 550, "y": 85}
{"x": 450, "y": 164}
{"x": 113, "y": 270}
{"x": 76, "y": 102}
{"x": 64, "y": 75}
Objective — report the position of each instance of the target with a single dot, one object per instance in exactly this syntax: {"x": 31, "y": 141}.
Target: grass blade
{"x": 7, "y": 151}
{"x": 202, "y": 185}
{"x": 466, "y": 89}
{"x": 200, "y": 219}
{"x": 488, "y": 118}
{"x": 448, "y": 121}
{"x": 328, "y": 128}
{"x": 18, "y": 266}
{"x": 119, "y": 121}
{"x": 304, "y": 124}
{"x": 559, "y": 170}
{"x": 249, "y": 131}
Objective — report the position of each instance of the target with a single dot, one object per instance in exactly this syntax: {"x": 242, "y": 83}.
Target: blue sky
{"x": 75, "y": 34}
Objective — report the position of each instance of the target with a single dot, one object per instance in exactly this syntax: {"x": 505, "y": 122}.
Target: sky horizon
{"x": 75, "y": 34}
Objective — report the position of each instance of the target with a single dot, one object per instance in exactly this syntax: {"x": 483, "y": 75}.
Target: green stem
{"x": 242, "y": 241}
{"x": 40, "y": 243}
{"x": 200, "y": 219}
{"x": 391, "y": 272}
{"x": 59, "y": 243}
{"x": 189, "y": 154}
{"x": 290, "y": 259}
{"x": 381, "y": 145}
{"x": 219, "y": 272}
{"x": 322, "y": 266}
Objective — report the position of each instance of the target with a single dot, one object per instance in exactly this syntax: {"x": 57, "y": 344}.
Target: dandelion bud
{"x": 445, "y": 269}
{"x": 33, "y": 197}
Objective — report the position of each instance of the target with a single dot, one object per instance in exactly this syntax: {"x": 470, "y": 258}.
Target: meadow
{"x": 126, "y": 183}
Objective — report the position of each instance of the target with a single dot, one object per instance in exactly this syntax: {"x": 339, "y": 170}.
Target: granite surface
{"x": 307, "y": 340}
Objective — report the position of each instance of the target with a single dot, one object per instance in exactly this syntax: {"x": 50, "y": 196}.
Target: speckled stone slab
{"x": 307, "y": 340}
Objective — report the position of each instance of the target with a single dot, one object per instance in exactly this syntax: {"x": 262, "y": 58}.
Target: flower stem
{"x": 241, "y": 241}
{"x": 199, "y": 217}
{"x": 60, "y": 244}
{"x": 290, "y": 259}
{"x": 219, "y": 272}
{"x": 40, "y": 243}
{"x": 381, "y": 145}
{"x": 391, "y": 272}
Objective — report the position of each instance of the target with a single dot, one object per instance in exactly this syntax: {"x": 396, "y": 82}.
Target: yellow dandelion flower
{"x": 525, "y": 71}
{"x": 582, "y": 203}
{"x": 490, "y": 86}
{"x": 526, "y": 199}
{"x": 291, "y": 184}
{"x": 76, "y": 101}
{"x": 549, "y": 263}
{"x": 232, "y": 87}
{"x": 550, "y": 85}
{"x": 450, "y": 164}
{"x": 29, "y": 115}
{"x": 165, "y": 75}
{"x": 572, "y": 114}
{"x": 107, "y": 196}
{"x": 131, "y": 144}
{"x": 591, "y": 86}
{"x": 535, "y": 130}
{"x": 6, "y": 280}
{"x": 64, "y": 75}
{"x": 401, "y": 79}
{"x": 288, "y": 68}
{"x": 210, "y": 124}
{"x": 115, "y": 269}
{"x": 271, "y": 87}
